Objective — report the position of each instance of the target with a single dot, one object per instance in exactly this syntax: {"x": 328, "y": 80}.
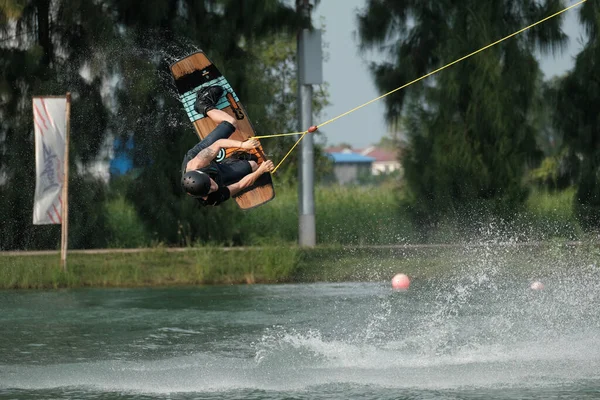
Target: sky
{"x": 351, "y": 84}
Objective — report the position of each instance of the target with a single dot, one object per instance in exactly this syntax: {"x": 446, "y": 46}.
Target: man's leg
{"x": 226, "y": 125}
{"x": 206, "y": 102}
{"x": 218, "y": 116}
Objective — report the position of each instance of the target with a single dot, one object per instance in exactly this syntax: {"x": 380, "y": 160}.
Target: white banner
{"x": 50, "y": 125}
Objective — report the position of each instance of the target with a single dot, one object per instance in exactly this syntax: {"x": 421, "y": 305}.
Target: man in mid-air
{"x": 204, "y": 179}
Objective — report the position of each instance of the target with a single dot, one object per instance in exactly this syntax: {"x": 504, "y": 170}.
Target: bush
{"x": 551, "y": 214}
{"x": 344, "y": 215}
{"x": 348, "y": 215}
{"x": 125, "y": 228}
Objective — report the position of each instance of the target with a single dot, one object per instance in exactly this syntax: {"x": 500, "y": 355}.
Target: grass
{"x": 344, "y": 216}
{"x": 349, "y": 215}
{"x": 211, "y": 265}
{"x": 156, "y": 267}
{"x": 349, "y": 220}
{"x": 552, "y": 214}
{"x": 374, "y": 215}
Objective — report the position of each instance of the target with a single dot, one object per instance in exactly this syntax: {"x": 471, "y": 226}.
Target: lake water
{"x": 477, "y": 336}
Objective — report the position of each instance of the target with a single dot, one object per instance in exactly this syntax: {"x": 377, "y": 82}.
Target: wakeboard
{"x": 191, "y": 74}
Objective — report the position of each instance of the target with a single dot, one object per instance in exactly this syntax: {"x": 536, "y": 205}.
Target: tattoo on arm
{"x": 207, "y": 154}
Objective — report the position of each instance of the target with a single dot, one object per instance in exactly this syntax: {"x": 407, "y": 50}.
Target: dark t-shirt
{"x": 211, "y": 170}
{"x": 215, "y": 198}
{"x": 225, "y": 173}
{"x": 217, "y": 172}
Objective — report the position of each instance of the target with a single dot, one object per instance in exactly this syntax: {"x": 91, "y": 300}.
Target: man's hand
{"x": 248, "y": 180}
{"x": 266, "y": 166}
{"x": 250, "y": 144}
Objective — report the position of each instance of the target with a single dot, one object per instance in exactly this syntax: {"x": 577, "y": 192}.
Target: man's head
{"x": 197, "y": 184}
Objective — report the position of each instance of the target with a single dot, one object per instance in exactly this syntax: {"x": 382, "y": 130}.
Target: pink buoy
{"x": 400, "y": 282}
{"x": 537, "y": 285}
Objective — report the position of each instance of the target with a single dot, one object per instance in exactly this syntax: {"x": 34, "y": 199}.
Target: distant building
{"x": 122, "y": 160}
{"x": 386, "y": 161}
{"x": 350, "y": 167}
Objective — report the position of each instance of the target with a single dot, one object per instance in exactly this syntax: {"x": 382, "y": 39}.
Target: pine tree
{"x": 577, "y": 118}
{"x": 470, "y": 133}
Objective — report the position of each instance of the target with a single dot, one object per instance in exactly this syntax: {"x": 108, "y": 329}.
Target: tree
{"x": 251, "y": 42}
{"x": 277, "y": 87}
{"x": 470, "y": 137}
{"x": 576, "y": 116}
{"x": 113, "y": 55}
{"x": 559, "y": 168}
{"x": 43, "y": 47}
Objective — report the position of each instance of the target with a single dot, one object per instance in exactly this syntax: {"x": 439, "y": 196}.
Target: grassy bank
{"x": 211, "y": 265}
{"x": 152, "y": 267}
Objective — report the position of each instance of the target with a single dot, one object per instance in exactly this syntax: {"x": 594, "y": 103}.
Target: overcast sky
{"x": 351, "y": 84}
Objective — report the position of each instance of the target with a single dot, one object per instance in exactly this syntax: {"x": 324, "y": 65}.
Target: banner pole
{"x": 65, "y": 195}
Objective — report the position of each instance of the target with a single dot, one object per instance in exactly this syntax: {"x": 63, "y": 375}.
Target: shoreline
{"x": 569, "y": 243}
{"x": 288, "y": 264}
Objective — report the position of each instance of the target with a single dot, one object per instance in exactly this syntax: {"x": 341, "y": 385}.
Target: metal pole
{"x": 306, "y": 223}
{"x": 307, "y": 201}
{"x": 65, "y": 195}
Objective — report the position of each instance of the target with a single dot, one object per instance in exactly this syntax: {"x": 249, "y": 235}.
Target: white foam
{"x": 294, "y": 361}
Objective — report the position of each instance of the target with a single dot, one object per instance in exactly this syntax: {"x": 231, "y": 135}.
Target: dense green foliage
{"x": 113, "y": 56}
{"x": 578, "y": 98}
{"x": 470, "y": 130}
{"x": 43, "y": 48}
{"x": 481, "y": 132}
{"x": 351, "y": 216}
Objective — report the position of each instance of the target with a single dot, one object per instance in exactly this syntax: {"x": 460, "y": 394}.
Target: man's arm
{"x": 216, "y": 198}
{"x": 204, "y": 157}
{"x": 249, "y": 179}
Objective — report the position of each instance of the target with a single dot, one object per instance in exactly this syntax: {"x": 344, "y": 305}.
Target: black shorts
{"x": 232, "y": 170}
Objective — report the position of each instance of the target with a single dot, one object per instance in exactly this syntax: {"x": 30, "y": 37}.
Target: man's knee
{"x": 253, "y": 165}
{"x": 231, "y": 120}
